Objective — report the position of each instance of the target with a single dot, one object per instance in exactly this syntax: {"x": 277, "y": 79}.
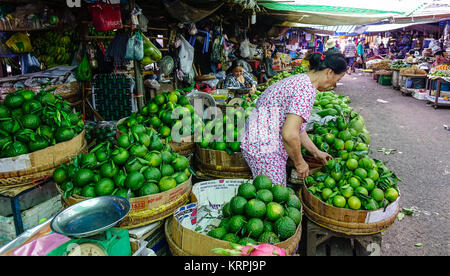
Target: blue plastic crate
{"x": 445, "y": 86}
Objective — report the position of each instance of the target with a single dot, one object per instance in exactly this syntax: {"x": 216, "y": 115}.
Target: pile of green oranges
{"x": 358, "y": 183}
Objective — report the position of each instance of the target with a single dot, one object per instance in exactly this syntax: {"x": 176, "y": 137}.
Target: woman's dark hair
{"x": 439, "y": 53}
{"x": 236, "y": 63}
{"x": 330, "y": 59}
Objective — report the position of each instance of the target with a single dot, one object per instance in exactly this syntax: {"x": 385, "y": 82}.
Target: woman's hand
{"x": 253, "y": 89}
{"x": 302, "y": 169}
{"x": 323, "y": 157}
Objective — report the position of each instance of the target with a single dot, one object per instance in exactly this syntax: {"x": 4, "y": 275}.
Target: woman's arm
{"x": 311, "y": 148}
{"x": 249, "y": 77}
{"x": 228, "y": 81}
{"x": 292, "y": 143}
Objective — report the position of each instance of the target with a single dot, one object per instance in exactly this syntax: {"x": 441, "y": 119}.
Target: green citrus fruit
{"x": 377, "y": 194}
{"x": 391, "y": 194}
{"x": 104, "y": 187}
{"x": 354, "y": 203}
{"x": 347, "y": 192}
{"x": 339, "y": 201}
{"x": 247, "y": 191}
{"x": 59, "y": 175}
{"x": 237, "y": 205}
{"x": 362, "y": 191}
{"x": 349, "y": 145}
{"x": 326, "y": 192}
{"x": 280, "y": 193}
{"x": 373, "y": 174}
{"x": 369, "y": 184}
{"x": 362, "y": 173}
{"x": 274, "y": 211}
{"x": 166, "y": 183}
{"x": 255, "y": 208}
{"x": 354, "y": 182}
{"x": 352, "y": 164}
{"x": 262, "y": 182}
{"x": 339, "y": 144}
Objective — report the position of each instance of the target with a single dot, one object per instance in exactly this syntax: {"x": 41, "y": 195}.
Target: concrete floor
{"x": 422, "y": 160}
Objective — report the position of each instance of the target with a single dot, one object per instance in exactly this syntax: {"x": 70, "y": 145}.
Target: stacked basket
{"x": 25, "y": 171}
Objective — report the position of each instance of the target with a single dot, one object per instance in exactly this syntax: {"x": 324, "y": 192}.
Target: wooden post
{"x": 138, "y": 77}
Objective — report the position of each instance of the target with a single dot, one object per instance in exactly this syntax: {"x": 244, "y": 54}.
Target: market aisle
{"x": 422, "y": 160}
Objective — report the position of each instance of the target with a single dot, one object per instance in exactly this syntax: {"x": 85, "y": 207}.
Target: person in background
{"x": 237, "y": 77}
{"x": 350, "y": 53}
{"x": 440, "y": 58}
{"x": 330, "y": 45}
{"x": 319, "y": 46}
{"x": 382, "y": 51}
{"x": 361, "y": 52}
{"x": 277, "y": 65}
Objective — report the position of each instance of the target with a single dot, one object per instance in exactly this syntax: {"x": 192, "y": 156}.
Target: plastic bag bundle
{"x": 151, "y": 53}
{"x": 135, "y": 47}
{"x": 84, "y": 72}
{"x": 19, "y": 43}
{"x": 186, "y": 55}
{"x": 31, "y": 64}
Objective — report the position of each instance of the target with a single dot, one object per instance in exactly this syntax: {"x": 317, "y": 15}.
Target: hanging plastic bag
{"x": 245, "y": 49}
{"x": 84, "y": 72}
{"x": 106, "y": 17}
{"x": 143, "y": 23}
{"x": 150, "y": 50}
{"x": 186, "y": 56}
{"x": 216, "y": 53}
{"x": 31, "y": 64}
{"x": 193, "y": 29}
{"x": 138, "y": 47}
{"x": 19, "y": 43}
{"x": 129, "y": 54}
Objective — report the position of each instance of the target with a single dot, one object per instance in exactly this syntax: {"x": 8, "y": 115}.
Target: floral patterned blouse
{"x": 262, "y": 132}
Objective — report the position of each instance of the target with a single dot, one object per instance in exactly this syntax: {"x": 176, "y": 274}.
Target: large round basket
{"x": 347, "y": 221}
{"x": 220, "y": 164}
{"x": 146, "y": 209}
{"x": 185, "y": 242}
{"x": 29, "y": 168}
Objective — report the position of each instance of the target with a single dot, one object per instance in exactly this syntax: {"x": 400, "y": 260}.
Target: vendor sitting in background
{"x": 237, "y": 77}
{"x": 440, "y": 58}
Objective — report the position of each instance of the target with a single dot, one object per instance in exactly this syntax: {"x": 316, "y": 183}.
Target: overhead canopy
{"x": 342, "y": 12}
{"x": 360, "y": 29}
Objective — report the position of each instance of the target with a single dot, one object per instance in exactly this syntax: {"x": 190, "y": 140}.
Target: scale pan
{"x": 90, "y": 217}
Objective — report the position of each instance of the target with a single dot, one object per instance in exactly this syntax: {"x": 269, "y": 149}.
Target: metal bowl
{"x": 90, "y": 217}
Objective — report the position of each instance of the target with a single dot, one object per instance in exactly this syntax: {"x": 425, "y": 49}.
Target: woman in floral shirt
{"x": 238, "y": 78}
{"x": 275, "y": 130}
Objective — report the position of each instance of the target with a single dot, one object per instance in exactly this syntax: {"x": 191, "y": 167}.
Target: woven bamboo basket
{"x": 185, "y": 242}
{"x": 145, "y": 215}
{"x": 347, "y": 221}
{"x": 36, "y": 164}
{"x": 183, "y": 147}
{"x": 220, "y": 164}
{"x": 37, "y": 177}
{"x": 173, "y": 247}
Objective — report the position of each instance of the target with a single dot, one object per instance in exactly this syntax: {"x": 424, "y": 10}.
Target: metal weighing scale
{"x": 89, "y": 224}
